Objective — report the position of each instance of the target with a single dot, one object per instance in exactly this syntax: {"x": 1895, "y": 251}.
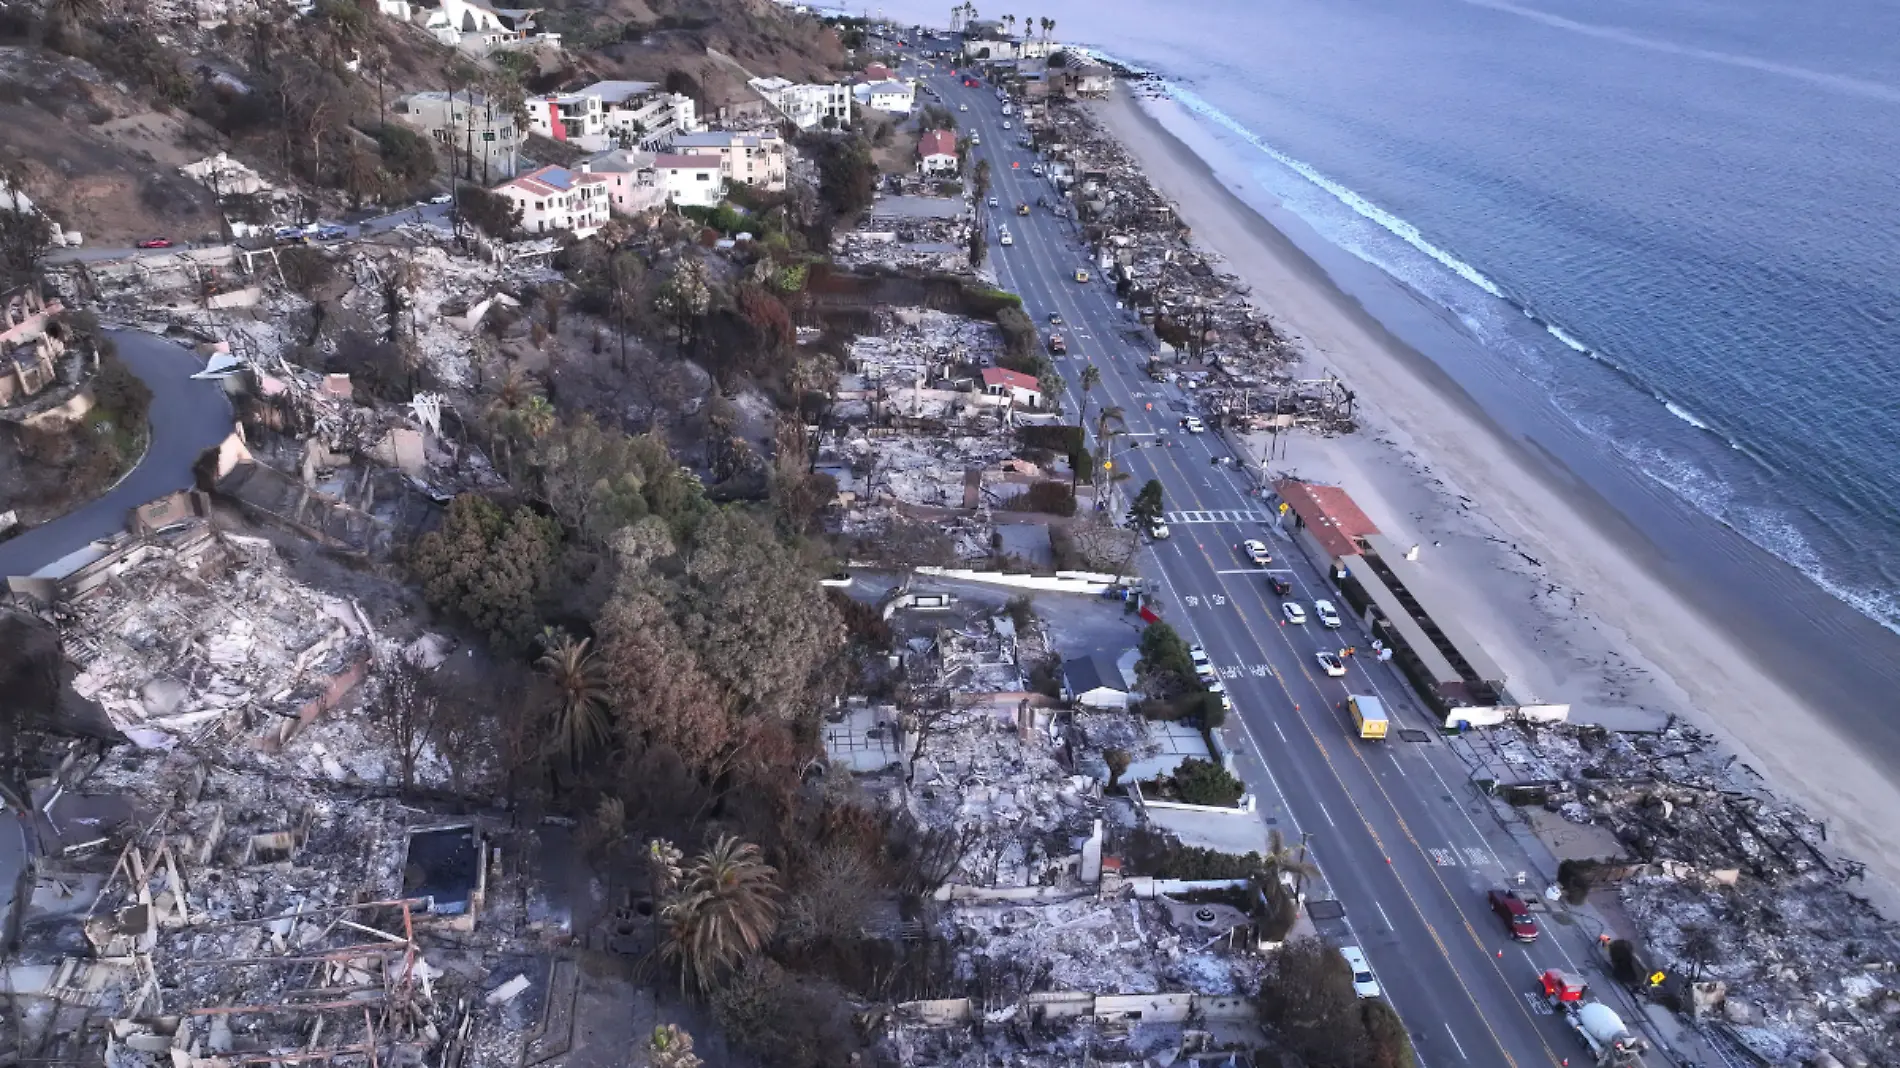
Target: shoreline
{"x": 1511, "y": 537}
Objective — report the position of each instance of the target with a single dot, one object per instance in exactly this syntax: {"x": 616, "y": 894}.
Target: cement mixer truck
{"x": 1613, "y": 1045}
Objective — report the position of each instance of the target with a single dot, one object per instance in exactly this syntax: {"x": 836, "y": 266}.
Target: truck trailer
{"x": 1612, "y": 1044}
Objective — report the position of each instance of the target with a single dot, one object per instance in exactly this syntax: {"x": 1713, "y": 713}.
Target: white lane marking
{"x": 1241, "y": 571}
{"x": 1383, "y": 916}
{"x": 1455, "y": 1042}
{"x": 1281, "y": 733}
{"x": 1323, "y": 812}
{"x": 1399, "y": 764}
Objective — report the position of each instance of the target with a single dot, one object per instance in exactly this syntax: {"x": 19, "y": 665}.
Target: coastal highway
{"x": 1393, "y": 826}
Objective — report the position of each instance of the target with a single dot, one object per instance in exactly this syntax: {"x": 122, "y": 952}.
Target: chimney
{"x": 587, "y": 166}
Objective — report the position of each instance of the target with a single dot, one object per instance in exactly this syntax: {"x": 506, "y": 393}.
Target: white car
{"x": 1219, "y": 689}
{"x": 1005, "y": 239}
{"x": 1193, "y": 424}
{"x": 992, "y": 202}
{"x": 1158, "y": 530}
{"x": 1293, "y": 612}
{"x": 1363, "y": 983}
{"x": 1203, "y": 667}
{"x": 1257, "y": 552}
{"x": 1006, "y": 125}
{"x": 1331, "y": 664}
{"x": 1328, "y": 615}
{"x": 963, "y": 107}
{"x": 441, "y": 198}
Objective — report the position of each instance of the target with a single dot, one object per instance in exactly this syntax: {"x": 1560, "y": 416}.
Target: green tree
{"x": 979, "y": 246}
{"x": 1204, "y": 782}
{"x": 581, "y": 725}
{"x": 1306, "y": 998}
{"x": 25, "y": 238}
{"x": 725, "y": 911}
{"x": 491, "y": 213}
{"x": 1091, "y": 377}
{"x": 493, "y": 569}
{"x": 1164, "y": 655}
{"x": 1148, "y": 505}
{"x": 982, "y": 178}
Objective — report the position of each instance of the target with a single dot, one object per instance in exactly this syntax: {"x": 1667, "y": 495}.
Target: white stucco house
{"x": 754, "y": 159}
{"x": 642, "y": 115}
{"x": 806, "y": 106}
{"x": 1021, "y": 389}
{"x": 894, "y": 97}
{"x": 553, "y": 199}
{"x": 632, "y": 185}
{"x": 937, "y": 152}
{"x": 690, "y": 181}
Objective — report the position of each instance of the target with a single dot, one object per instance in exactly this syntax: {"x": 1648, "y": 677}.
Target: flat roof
{"x": 1329, "y": 513}
{"x": 1416, "y": 640}
{"x": 1392, "y": 557}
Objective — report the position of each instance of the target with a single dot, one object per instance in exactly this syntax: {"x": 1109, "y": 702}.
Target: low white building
{"x": 894, "y": 97}
{"x": 1021, "y": 389}
{"x": 754, "y": 159}
{"x": 807, "y": 106}
{"x": 553, "y": 198}
{"x": 641, "y": 114}
{"x": 633, "y": 186}
{"x": 937, "y": 152}
{"x": 690, "y": 181}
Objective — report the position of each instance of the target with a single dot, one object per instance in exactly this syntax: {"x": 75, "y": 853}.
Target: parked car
{"x": 1280, "y": 586}
{"x": 963, "y": 107}
{"x": 1331, "y": 664}
{"x": 1005, "y": 239}
{"x": 1515, "y": 914}
{"x": 442, "y": 198}
{"x": 1193, "y": 425}
{"x": 1219, "y": 689}
{"x": 1257, "y": 552}
{"x": 1363, "y": 982}
{"x": 1006, "y": 125}
{"x": 331, "y": 232}
{"x": 1203, "y": 667}
{"x": 156, "y": 242}
{"x": 1328, "y": 615}
{"x": 1293, "y": 612}
{"x": 1158, "y": 530}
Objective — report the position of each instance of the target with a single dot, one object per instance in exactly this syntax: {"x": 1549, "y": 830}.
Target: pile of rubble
{"x": 1729, "y": 885}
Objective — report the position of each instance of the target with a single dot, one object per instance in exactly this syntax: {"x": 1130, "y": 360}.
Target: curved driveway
{"x": 187, "y": 418}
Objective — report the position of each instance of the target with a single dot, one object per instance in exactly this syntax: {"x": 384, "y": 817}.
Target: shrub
{"x": 1203, "y": 782}
{"x": 1164, "y": 857}
{"x": 1164, "y": 656}
{"x": 1054, "y": 498}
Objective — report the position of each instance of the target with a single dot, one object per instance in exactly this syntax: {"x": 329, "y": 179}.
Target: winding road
{"x": 187, "y": 417}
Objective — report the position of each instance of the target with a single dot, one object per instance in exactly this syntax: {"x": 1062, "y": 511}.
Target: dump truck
{"x": 1057, "y": 345}
{"x": 1612, "y": 1044}
{"x": 1368, "y": 716}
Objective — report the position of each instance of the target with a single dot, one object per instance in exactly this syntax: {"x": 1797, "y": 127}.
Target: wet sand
{"x": 1547, "y": 576}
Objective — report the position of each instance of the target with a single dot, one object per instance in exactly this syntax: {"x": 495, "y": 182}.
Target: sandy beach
{"x": 1536, "y": 567}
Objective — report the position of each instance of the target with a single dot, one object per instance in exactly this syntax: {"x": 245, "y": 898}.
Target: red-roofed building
{"x": 878, "y": 72}
{"x": 1018, "y": 387}
{"x": 937, "y": 152}
{"x": 554, "y": 198}
{"x": 694, "y": 181}
{"x": 1326, "y": 517}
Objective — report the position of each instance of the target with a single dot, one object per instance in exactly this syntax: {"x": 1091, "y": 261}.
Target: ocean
{"x": 1676, "y": 221}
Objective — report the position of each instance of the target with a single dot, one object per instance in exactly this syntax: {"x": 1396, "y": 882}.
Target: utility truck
{"x": 1612, "y": 1044}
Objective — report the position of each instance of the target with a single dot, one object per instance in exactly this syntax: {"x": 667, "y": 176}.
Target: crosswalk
{"x": 1225, "y": 515}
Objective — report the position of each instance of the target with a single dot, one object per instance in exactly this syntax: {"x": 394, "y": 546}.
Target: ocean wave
{"x": 1684, "y": 414}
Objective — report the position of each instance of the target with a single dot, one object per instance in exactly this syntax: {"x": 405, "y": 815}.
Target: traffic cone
{"x": 1500, "y": 954}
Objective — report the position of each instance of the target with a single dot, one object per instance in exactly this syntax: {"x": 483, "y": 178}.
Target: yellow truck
{"x": 1081, "y": 275}
{"x": 1368, "y": 714}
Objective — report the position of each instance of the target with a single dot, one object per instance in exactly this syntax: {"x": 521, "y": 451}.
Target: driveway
{"x": 187, "y": 418}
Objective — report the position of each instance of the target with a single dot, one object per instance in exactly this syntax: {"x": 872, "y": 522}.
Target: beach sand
{"x": 1569, "y": 611}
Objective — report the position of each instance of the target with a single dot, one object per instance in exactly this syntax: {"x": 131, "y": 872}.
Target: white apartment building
{"x": 554, "y": 198}
{"x": 690, "y": 181}
{"x": 575, "y": 118}
{"x": 471, "y": 25}
{"x": 807, "y": 106}
{"x": 754, "y": 159}
{"x": 468, "y": 128}
{"x": 893, "y": 96}
{"x": 642, "y": 115}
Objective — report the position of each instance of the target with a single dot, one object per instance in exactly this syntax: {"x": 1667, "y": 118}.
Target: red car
{"x": 156, "y": 242}
{"x": 1515, "y": 914}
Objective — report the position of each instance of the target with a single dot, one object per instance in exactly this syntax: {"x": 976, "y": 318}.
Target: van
{"x": 1368, "y": 714}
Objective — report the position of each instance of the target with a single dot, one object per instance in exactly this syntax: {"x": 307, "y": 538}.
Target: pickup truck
{"x": 1057, "y": 345}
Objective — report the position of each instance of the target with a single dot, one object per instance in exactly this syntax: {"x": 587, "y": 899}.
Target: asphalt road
{"x": 364, "y": 228}
{"x": 187, "y": 418}
{"x": 1393, "y": 825}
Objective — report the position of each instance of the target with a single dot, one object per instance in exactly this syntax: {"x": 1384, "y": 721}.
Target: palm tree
{"x": 1281, "y": 860}
{"x": 1091, "y": 377}
{"x": 1048, "y": 30}
{"x": 582, "y": 725}
{"x": 1009, "y": 23}
{"x": 725, "y": 911}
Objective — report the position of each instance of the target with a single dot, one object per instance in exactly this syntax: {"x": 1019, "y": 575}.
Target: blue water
{"x": 1679, "y": 219}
